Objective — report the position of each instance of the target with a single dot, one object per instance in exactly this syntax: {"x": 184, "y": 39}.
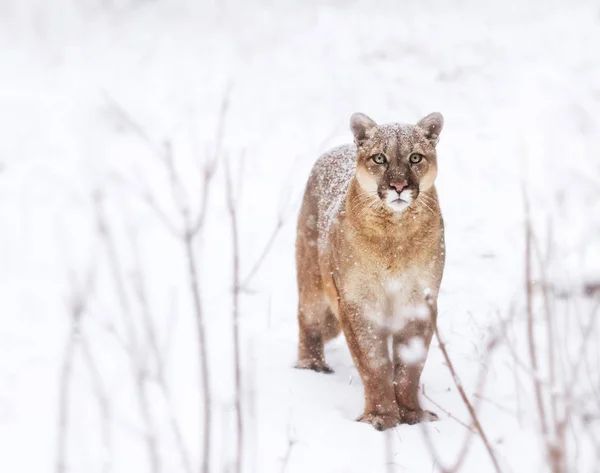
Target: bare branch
{"x": 138, "y": 367}
{"x": 221, "y": 123}
{"x": 445, "y": 411}
{"x": 263, "y": 256}
{"x": 170, "y": 226}
{"x": 140, "y": 291}
{"x": 235, "y": 317}
{"x": 194, "y": 228}
{"x": 497, "y": 405}
{"x": 76, "y": 307}
{"x": 459, "y": 386}
{"x": 290, "y": 446}
{"x": 549, "y": 443}
{"x": 180, "y": 195}
{"x": 147, "y": 198}
{"x": 64, "y": 396}
{"x": 194, "y": 286}
{"x": 133, "y": 124}
{"x": 530, "y": 329}
{"x": 210, "y": 166}
{"x": 462, "y": 454}
{"x": 549, "y": 320}
{"x": 103, "y": 403}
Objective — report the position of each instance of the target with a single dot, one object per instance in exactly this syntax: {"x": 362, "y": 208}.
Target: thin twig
{"x": 549, "y": 320}
{"x": 194, "y": 286}
{"x": 288, "y": 453}
{"x": 210, "y": 165}
{"x": 462, "y": 454}
{"x": 103, "y": 403}
{"x": 64, "y": 397}
{"x": 445, "y": 411}
{"x": 459, "y": 387}
{"x": 192, "y": 228}
{"x": 531, "y": 344}
{"x": 135, "y": 359}
{"x": 140, "y": 291}
{"x": 263, "y": 255}
{"x": 496, "y": 405}
{"x": 235, "y": 318}
{"x": 76, "y": 307}
{"x": 132, "y": 123}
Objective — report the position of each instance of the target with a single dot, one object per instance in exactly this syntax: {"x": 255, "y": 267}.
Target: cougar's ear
{"x": 362, "y": 127}
{"x": 432, "y": 125}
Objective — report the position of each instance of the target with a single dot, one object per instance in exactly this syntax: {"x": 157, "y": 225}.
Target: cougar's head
{"x": 396, "y": 162}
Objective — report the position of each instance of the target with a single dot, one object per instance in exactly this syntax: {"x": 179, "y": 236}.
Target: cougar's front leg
{"x": 369, "y": 349}
{"x": 410, "y": 347}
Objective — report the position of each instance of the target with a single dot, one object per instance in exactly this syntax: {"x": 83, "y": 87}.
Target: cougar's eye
{"x": 378, "y": 158}
{"x": 415, "y": 158}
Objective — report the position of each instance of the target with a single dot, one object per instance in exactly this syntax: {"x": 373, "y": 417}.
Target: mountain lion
{"x": 370, "y": 257}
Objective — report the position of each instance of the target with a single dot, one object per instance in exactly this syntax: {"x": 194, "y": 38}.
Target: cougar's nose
{"x": 399, "y": 186}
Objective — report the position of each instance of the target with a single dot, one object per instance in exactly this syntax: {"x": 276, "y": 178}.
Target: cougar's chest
{"x": 390, "y": 300}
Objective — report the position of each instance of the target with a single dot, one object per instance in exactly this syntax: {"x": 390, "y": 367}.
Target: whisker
{"x": 362, "y": 195}
{"x": 371, "y": 206}
{"x": 362, "y": 199}
{"x": 422, "y": 203}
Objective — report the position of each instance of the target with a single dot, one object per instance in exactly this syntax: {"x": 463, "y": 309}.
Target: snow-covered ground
{"x": 90, "y": 89}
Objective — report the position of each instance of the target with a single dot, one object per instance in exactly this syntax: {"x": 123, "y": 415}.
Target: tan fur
{"x": 367, "y": 268}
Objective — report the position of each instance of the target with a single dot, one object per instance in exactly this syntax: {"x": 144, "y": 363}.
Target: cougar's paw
{"x": 380, "y": 421}
{"x": 414, "y": 417}
{"x": 315, "y": 365}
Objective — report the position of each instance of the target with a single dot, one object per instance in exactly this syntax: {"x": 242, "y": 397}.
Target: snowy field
{"x": 100, "y": 366}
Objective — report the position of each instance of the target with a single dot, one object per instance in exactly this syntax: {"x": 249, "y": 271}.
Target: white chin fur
{"x": 398, "y": 203}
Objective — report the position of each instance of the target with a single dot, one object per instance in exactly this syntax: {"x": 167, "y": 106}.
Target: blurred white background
{"x": 90, "y": 93}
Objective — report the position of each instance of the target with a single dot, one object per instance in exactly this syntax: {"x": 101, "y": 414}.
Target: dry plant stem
{"x": 126, "y": 116}
{"x": 462, "y": 455}
{"x": 137, "y": 367}
{"x": 553, "y": 452}
{"x": 201, "y": 335}
{"x": 522, "y": 364}
{"x": 588, "y": 331}
{"x": 259, "y": 262}
{"x": 192, "y": 230}
{"x": 235, "y": 318}
{"x": 222, "y": 120}
{"x": 161, "y": 378}
{"x": 103, "y": 403}
{"x": 559, "y": 462}
{"x": 189, "y": 237}
{"x": 549, "y": 319}
{"x": 461, "y": 391}
{"x": 515, "y": 360}
{"x": 64, "y": 396}
{"x": 531, "y": 344}
{"x": 445, "y": 411}
{"x": 497, "y": 405}
{"x": 251, "y": 403}
{"x": 558, "y": 450}
{"x": 435, "y": 456}
{"x": 76, "y": 308}
{"x": 288, "y": 452}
